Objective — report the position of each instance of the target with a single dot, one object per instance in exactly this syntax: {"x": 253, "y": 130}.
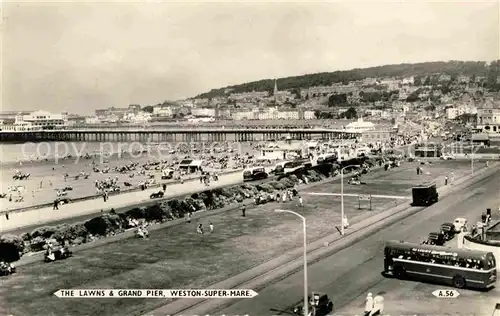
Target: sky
{"x": 81, "y": 56}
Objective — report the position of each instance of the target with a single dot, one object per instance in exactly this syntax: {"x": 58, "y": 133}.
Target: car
{"x": 320, "y": 302}
{"x": 448, "y": 230}
{"x": 156, "y": 195}
{"x": 447, "y": 157}
{"x": 460, "y": 223}
{"x": 435, "y": 239}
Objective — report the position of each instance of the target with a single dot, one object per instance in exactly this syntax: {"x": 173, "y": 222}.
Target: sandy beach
{"x": 47, "y": 173}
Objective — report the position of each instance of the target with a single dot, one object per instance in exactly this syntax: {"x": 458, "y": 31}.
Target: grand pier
{"x": 171, "y": 134}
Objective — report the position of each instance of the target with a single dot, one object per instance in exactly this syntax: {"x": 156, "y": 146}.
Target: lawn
{"x": 400, "y": 180}
{"x": 177, "y": 257}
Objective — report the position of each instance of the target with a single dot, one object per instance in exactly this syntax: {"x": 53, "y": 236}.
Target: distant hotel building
{"x": 117, "y": 112}
{"x": 37, "y": 121}
{"x": 488, "y": 120}
{"x": 273, "y": 114}
{"x": 248, "y": 95}
{"x": 454, "y": 112}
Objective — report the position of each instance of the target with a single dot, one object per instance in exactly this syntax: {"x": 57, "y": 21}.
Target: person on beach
{"x": 199, "y": 229}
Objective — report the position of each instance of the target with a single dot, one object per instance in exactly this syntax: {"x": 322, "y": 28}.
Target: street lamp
{"x": 306, "y": 294}
{"x": 471, "y": 156}
{"x": 342, "y": 229}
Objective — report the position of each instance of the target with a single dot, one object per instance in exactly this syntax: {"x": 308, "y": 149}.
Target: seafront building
{"x": 36, "y": 121}
{"x": 488, "y": 120}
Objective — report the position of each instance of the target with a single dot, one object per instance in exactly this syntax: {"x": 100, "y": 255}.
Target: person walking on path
{"x": 188, "y": 216}
{"x": 345, "y": 222}
{"x": 211, "y": 226}
{"x": 56, "y": 204}
{"x": 243, "y": 210}
{"x": 301, "y": 202}
{"x": 368, "y": 304}
{"x": 378, "y": 305}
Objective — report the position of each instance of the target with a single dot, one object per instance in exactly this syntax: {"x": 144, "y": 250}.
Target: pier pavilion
{"x": 173, "y": 135}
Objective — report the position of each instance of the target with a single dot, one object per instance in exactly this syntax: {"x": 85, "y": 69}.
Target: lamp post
{"x": 306, "y": 303}
{"x": 471, "y": 156}
{"x": 342, "y": 229}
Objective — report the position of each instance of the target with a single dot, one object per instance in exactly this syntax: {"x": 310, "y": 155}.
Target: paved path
{"x": 47, "y": 214}
{"x": 397, "y": 197}
{"x": 351, "y": 273}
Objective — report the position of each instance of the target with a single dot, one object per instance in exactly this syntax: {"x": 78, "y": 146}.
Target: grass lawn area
{"x": 178, "y": 257}
{"x": 399, "y": 181}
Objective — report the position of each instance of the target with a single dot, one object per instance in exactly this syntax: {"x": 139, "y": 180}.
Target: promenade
{"x": 48, "y": 214}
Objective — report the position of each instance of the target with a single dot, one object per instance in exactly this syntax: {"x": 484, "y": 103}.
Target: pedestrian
{"x": 199, "y": 229}
{"x": 164, "y": 187}
{"x": 418, "y": 171}
{"x": 211, "y": 227}
{"x": 378, "y": 305}
{"x": 345, "y": 222}
{"x": 56, "y": 204}
{"x": 7, "y": 215}
{"x": 243, "y": 210}
{"x": 301, "y": 202}
{"x": 284, "y": 197}
{"x": 368, "y": 304}
{"x": 446, "y": 180}
{"x": 188, "y": 218}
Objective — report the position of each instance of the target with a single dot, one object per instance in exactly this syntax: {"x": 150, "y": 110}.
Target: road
{"x": 352, "y": 272}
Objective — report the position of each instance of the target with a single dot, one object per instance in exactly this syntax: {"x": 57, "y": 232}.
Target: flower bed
{"x": 13, "y": 247}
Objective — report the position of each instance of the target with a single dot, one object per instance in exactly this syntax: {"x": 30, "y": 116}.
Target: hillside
{"x": 452, "y": 68}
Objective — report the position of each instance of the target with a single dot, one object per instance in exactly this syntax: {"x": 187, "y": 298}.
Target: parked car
{"x": 447, "y": 157}
{"x": 435, "y": 239}
{"x": 448, "y": 230}
{"x": 319, "y": 301}
{"x": 156, "y": 195}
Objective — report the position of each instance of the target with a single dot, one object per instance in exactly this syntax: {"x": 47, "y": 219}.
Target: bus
{"x": 461, "y": 268}
{"x": 256, "y": 173}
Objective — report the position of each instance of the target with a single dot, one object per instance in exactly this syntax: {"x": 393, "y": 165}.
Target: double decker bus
{"x": 461, "y": 268}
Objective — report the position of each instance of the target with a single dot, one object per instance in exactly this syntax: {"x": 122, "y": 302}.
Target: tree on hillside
{"x": 413, "y": 96}
{"x": 417, "y": 81}
{"x": 337, "y": 100}
{"x": 148, "y": 109}
{"x": 349, "y": 114}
